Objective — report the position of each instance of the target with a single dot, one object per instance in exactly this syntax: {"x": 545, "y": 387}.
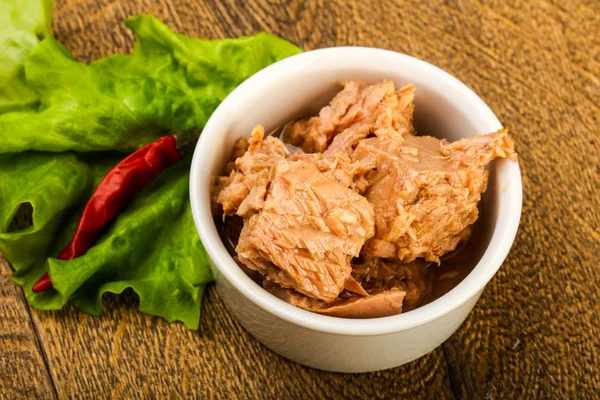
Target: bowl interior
{"x": 300, "y": 86}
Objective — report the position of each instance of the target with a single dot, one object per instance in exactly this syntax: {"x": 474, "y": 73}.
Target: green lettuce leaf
{"x": 84, "y": 117}
{"x": 50, "y": 184}
{"x": 152, "y": 247}
{"x": 121, "y": 102}
{"x": 22, "y": 26}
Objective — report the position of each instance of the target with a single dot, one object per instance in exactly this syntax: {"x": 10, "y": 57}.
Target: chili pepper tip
{"x": 43, "y": 284}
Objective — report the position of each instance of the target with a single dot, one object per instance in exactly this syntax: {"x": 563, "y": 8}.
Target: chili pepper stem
{"x": 185, "y": 138}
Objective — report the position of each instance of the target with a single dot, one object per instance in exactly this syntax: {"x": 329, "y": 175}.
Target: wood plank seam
{"x": 28, "y": 375}
{"x": 453, "y": 383}
{"x": 39, "y": 344}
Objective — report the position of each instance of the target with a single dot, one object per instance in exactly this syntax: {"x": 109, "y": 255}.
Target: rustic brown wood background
{"x": 535, "y": 332}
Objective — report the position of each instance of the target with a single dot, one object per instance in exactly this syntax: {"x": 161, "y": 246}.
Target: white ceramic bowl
{"x": 298, "y": 86}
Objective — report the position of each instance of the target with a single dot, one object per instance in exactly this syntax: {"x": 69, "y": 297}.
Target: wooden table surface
{"x": 535, "y": 332}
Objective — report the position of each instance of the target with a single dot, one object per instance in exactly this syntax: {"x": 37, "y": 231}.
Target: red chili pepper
{"x": 117, "y": 187}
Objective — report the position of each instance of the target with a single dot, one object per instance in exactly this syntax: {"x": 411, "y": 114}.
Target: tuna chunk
{"x": 355, "y": 106}
{"x": 307, "y": 232}
{"x": 383, "y": 304}
{"x": 425, "y": 191}
{"x": 249, "y": 174}
{"x": 340, "y": 168}
{"x": 378, "y": 275}
{"x": 347, "y": 217}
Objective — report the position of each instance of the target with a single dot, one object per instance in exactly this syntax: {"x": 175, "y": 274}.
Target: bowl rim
{"x": 489, "y": 263}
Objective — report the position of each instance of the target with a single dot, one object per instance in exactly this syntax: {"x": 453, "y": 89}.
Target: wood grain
{"x": 125, "y": 354}
{"x": 535, "y": 333}
{"x": 23, "y": 372}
